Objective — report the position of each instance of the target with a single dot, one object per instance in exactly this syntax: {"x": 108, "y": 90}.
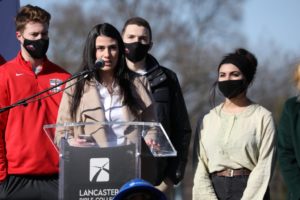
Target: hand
{"x": 82, "y": 141}
{"x": 153, "y": 146}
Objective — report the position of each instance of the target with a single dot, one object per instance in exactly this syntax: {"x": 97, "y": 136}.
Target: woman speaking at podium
{"x": 110, "y": 93}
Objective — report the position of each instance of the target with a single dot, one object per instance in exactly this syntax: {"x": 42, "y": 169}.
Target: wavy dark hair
{"x": 122, "y": 74}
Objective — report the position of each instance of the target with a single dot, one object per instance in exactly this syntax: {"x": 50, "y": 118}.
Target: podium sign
{"x": 90, "y": 173}
{"x": 97, "y": 168}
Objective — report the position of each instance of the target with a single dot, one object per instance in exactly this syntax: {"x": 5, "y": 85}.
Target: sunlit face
{"x": 107, "y": 49}
{"x": 135, "y": 33}
{"x": 33, "y": 31}
{"x": 229, "y": 71}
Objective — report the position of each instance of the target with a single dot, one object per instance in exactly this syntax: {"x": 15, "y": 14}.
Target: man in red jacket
{"x": 28, "y": 160}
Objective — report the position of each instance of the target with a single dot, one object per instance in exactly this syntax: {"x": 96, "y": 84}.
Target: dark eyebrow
{"x": 112, "y": 45}
{"x": 109, "y": 46}
{"x": 143, "y": 36}
{"x": 236, "y": 72}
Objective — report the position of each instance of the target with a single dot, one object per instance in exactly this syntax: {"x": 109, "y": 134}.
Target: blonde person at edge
{"x": 236, "y": 138}
{"x": 289, "y": 142}
{"x": 111, "y": 93}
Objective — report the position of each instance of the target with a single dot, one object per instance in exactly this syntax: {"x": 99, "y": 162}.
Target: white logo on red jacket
{"x": 54, "y": 82}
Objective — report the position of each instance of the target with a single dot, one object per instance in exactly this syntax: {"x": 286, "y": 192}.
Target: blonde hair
{"x": 297, "y": 76}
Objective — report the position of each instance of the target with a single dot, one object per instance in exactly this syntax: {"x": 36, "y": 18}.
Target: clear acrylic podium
{"x": 96, "y": 159}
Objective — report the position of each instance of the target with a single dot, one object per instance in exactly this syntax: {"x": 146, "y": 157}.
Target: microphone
{"x": 99, "y": 64}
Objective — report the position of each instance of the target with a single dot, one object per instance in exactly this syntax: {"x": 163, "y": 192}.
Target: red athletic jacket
{"x": 25, "y": 148}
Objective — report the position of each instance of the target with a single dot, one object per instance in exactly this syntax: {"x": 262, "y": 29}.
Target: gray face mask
{"x": 136, "y": 51}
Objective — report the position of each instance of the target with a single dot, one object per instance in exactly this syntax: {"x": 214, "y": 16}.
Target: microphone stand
{"x": 24, "y": 101}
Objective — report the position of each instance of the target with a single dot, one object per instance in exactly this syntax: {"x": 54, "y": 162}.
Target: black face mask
{"x": 36, "y": 48}
{"x": 232, "y": 88}
{"x": 136, "y": 51}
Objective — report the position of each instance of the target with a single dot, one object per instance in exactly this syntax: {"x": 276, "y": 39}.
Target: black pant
{"x": 231, "y": 188}
{"x": 29, "y": 187}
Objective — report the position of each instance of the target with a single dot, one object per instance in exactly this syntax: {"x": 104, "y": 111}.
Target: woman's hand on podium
{"x": 82, "y": 141}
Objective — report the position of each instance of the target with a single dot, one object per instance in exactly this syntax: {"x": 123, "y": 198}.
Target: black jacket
{"x": 173, "y": 116}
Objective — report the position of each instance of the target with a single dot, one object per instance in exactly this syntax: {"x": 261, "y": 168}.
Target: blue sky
{"x": 273, "y": 20}
{"x": 265, "y": 22}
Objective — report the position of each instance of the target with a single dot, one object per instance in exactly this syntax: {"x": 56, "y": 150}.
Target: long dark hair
{"x": 121, "y": 74}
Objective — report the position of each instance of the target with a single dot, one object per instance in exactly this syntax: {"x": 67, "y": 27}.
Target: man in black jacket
{"x": 166, "y": 91}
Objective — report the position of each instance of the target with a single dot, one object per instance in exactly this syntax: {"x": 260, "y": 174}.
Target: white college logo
{"x": 99, "y": 168}
{"x": 54, "y": 82}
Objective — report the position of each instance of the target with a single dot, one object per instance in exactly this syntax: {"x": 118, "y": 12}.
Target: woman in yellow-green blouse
{"x": 236, "y": 138}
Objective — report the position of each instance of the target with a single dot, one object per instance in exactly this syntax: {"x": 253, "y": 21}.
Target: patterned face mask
{"x": 36, "y": 48}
